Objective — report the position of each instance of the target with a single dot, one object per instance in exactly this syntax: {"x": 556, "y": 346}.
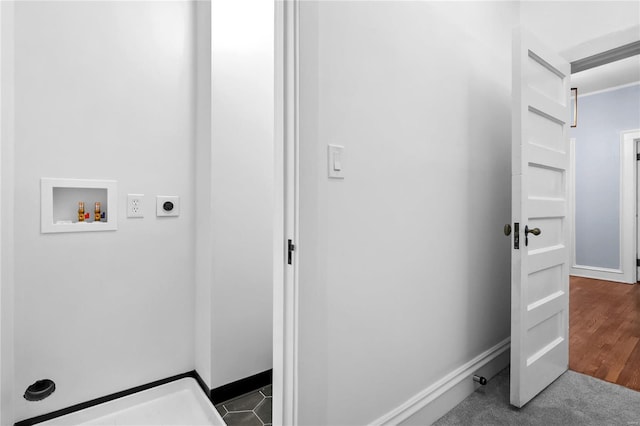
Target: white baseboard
{"x": 435, "y": 401}
{"x": 599, "y": 273}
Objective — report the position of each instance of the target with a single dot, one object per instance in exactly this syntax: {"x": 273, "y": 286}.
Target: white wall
{"x": 103, "y": 90}
{"x": 404, "y": 270}
{"x": 598, "y": 177}
{"x": 234, "y": 186}
{"x": 242, "y": 188}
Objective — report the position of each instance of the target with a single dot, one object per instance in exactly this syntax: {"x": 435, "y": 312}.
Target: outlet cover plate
{"x": 161, "y": 211}
{"x": 135, "y": 205}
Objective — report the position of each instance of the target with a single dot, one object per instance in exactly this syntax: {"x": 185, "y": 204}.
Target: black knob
{"x": 167, "y": 206}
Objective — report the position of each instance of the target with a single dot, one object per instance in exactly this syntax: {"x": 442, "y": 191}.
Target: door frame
{"x": 628, "y": 161}
{"x": 627, "y": 271}
{"x": 7, "y": 146}
{"x": 285, "y": 275}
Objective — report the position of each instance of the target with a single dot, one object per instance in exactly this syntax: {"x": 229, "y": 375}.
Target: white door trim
{"x": 626, "y": 273}
{"x": 7, "y": 184}
{"x": 285, "y": 285}
{"x": 572, "y": 205}
{"x": 628, "y": 242}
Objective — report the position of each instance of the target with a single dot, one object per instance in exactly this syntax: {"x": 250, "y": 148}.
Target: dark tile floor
{"x": 253, "y": 408}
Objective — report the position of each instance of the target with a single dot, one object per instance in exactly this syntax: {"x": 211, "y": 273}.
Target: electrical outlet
{"x": 135, "y": 205}
{"x": 167, "y": 205}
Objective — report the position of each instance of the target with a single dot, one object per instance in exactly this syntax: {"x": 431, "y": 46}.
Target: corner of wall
{"x": 241, "y": 176}
{"x": 202, "y": 237}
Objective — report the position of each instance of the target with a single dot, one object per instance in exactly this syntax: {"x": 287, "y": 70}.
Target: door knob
{"x": 507, "y": 229}
{"x": 527, "y": 231}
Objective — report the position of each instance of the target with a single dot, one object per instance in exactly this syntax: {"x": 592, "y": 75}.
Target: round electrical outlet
{"x": 167, "y": 205}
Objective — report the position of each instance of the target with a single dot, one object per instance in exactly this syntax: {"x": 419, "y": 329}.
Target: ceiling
{"x": 614, "y": 74}
{"x": 580, "y": 29}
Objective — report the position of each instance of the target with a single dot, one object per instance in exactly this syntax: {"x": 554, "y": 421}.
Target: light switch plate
{"x": 335, "y": 161}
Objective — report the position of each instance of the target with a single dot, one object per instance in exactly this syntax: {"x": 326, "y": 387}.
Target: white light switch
{"x": 337, "y": 165}
{"x": 336, "y": 161}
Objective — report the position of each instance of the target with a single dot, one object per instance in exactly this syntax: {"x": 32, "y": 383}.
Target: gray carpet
{"x": 573, "y": 399}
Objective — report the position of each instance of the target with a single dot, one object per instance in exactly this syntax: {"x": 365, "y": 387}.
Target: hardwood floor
{"x": 604, "y": 330}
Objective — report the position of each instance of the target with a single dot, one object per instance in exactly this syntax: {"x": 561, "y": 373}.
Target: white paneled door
{"x": 540, "y": 204}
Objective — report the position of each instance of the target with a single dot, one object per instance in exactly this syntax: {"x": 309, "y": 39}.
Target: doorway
{"x": 604, "y": 174}
{"x": 605, "y": 233}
